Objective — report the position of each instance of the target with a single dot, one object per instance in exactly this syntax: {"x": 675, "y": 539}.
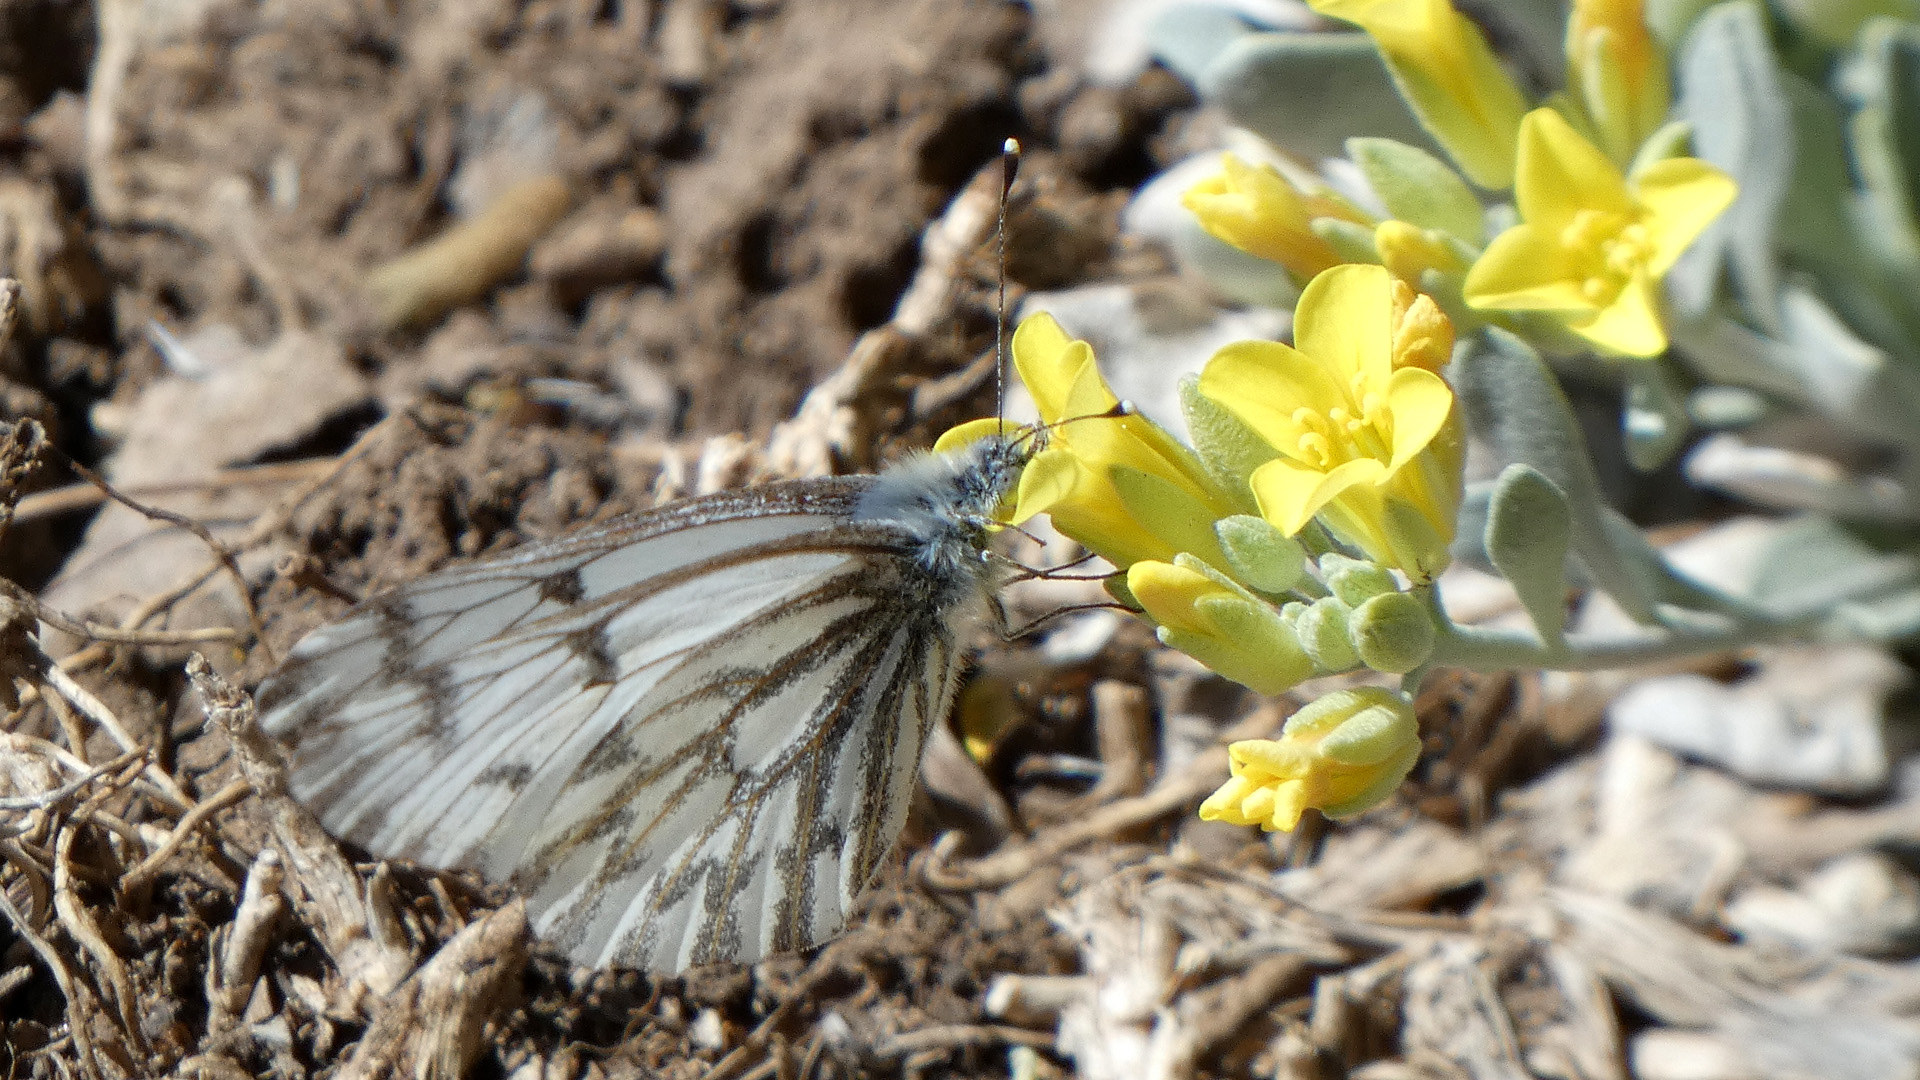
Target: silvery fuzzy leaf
{"x": 1730, "y": 90}
{"x": 1188, "y": 38}
{"x": 1309, "y": 93}
{"x": 1885, "y": 76}
{"x": 1817, "y": 361}
{"x": 1815, "y": 563}
{"x": 1527, "y": 535}
{"x": 1790, "y": 479}
{"x": 1419, "y": 188}
{"x": 1514, "y": 402}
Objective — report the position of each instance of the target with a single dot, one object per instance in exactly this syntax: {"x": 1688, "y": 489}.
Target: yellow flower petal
{"x": 1594, "y": 244}
{"x": 1449, "y": 76}
{"x": 1681, "y": 196}
{"x": 1345, "y": 319}
{"x": 1630, "y": 325}
{"x": 1051, "y": 364}
{"x": 1527, "y": 268}
{"x": 1290, "y": 494}
{"x": 1266, "y": 383}
{"x": 1559, "y": 173}
{"x": 1420, "y": 402}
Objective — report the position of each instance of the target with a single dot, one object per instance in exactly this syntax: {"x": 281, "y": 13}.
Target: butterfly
{"x": 686, "y": 736}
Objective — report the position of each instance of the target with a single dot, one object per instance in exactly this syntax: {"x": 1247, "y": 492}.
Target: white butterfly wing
{"x": 688, "y": 737}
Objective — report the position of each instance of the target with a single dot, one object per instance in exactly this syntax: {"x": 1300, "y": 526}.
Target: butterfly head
{"x": 947, "y": 502}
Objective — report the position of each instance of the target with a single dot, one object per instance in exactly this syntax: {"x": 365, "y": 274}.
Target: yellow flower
{"x": 1202, "y": 613}
{"x": 1618, "y": 73}
{"x": 1344, "y": 753}
{"x": 1448, "y": 75}
{"x": 1255, "y": 209}
{"x": 1593, "y": 245}
{"x": 1371, "y": 448}
{"x": 1116, "y": 482}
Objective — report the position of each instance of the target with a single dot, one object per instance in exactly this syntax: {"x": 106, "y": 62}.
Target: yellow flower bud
{"x": 1205, "y": 615}
{"x": 1410, "y": 251}
{"x": 1255, "y": 209}
{"x": 1422, "y": 333}
{"x": 1617, "y": 72}
{"x": 1449, "y": 76}
{"x": 1344, "y": 753}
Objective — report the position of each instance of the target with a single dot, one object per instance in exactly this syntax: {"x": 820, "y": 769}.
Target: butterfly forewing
{"x": 689, "y": 737}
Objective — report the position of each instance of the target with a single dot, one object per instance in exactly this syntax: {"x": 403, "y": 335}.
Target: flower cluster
{"x": 1323, "y": 476}
{"x": 1604, "y": 210}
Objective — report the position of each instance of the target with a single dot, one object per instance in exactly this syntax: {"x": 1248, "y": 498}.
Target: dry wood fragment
{"x": 1584, "y": 1042}
{"x": 947, "y": 1037}
{"x": 230, "y": 984}
{"x": 1837, "y": 1020}
{"x": 326, "y": 892}
{"x": 1453, "y": 1014}
{"x": 827, "y": 428}
{"x": 110, "y": 971}
{"x": 688, "y": 35}
{"x": 140, "y": 877}
{"x": 432, "y": 1027}
{"x": 1375, "y": 868}
{"x": 1122, "y": 719}
{"x": 95, "y": 1059}
{"x": 1031, "y": 999}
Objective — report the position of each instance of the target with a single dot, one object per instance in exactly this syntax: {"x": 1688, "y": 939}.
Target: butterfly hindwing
{"x": 690, "y": 736}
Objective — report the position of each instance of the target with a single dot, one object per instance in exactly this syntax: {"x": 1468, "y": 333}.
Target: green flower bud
{"x": 1392, "y": 632}
{"x": 1208, "y": 616}
{"x": 1260, "y": 556}
{"x": 1355, "y": 581}
{"x": 1322, "y": 629}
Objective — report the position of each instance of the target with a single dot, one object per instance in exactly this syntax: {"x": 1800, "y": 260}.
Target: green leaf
{"x": 1528, "y": 534}
{"x": 1419, "y": 188}
{"x": 1730, "y": 91}
{"x": 1260, "y": 556}
{"x": 1817, "y": 361}
{"x": 1513, "y": 401}
{"x": 1308, "y": 93}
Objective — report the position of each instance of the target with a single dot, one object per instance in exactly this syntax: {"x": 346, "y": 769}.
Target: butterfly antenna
{"x": 1009, "y": 168}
